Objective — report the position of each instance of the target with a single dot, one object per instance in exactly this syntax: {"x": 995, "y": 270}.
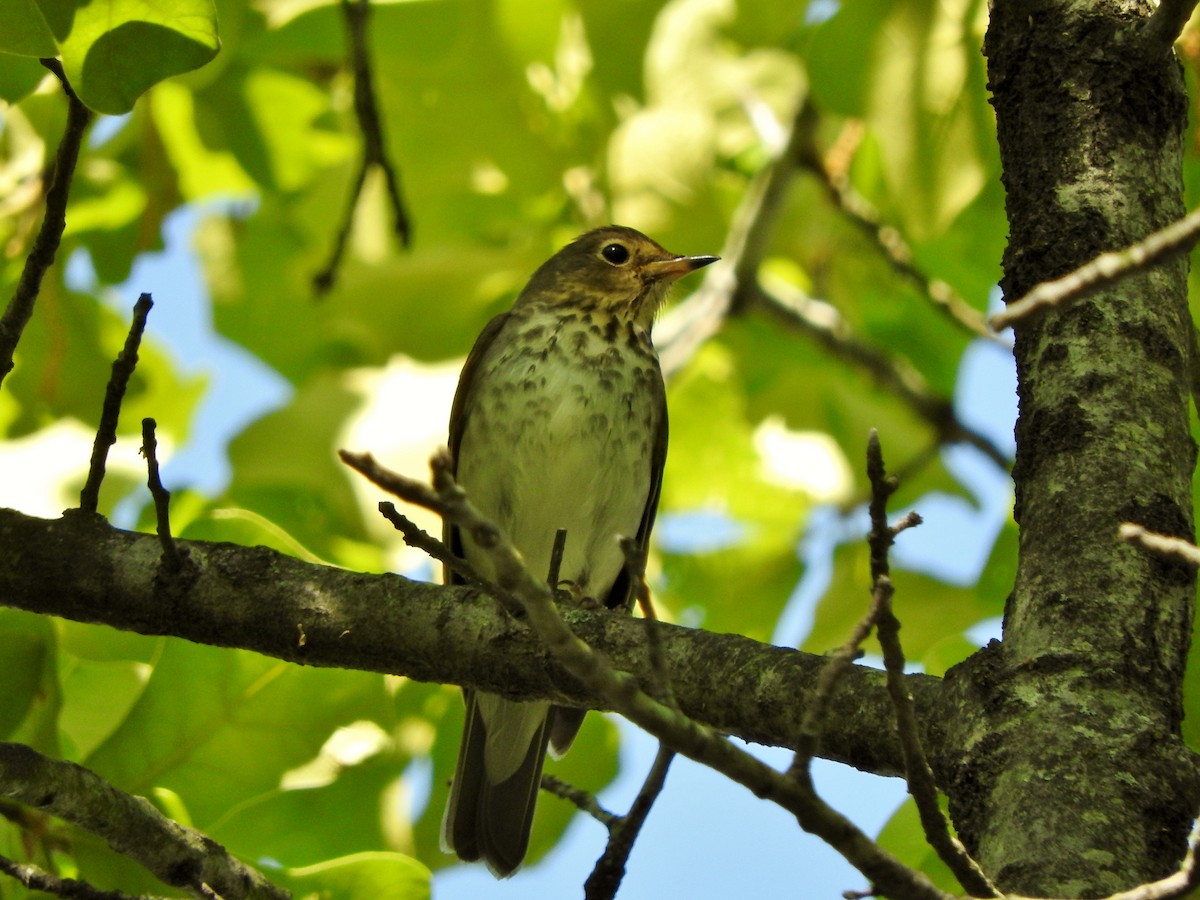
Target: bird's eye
{"x": 617, "y": 254}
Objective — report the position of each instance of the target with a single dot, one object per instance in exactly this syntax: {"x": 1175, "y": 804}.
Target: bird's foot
{"x": 570, "y": 592}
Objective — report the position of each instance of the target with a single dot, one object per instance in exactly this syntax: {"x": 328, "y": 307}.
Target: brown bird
{"x": 559, "y": 421}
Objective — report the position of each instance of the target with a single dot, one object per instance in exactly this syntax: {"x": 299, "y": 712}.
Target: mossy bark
{"x": 1073, "y": 779}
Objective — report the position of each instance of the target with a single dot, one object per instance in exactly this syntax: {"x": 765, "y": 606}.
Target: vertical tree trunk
{"x": 1078, "y": 784}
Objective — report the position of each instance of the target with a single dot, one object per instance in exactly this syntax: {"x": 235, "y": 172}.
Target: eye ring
{"x": 615, "y": 254}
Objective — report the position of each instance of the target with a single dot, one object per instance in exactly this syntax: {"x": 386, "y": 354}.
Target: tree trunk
{"x": 1074, "y": 780}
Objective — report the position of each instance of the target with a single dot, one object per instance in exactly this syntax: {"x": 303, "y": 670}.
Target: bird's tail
{"x": 490, "y": 810}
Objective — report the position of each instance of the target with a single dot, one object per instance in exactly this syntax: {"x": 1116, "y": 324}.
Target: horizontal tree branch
{"x": 80, "y": 568}
{"x": 179, "y": 856}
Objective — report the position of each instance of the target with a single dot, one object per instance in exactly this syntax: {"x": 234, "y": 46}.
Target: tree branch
{"x": 179, "y": 856}
{"x": 1165, "y": 25}
{"x": 45, "y": 245}
{"x": 255, "y": 598}
{"x": 825, "y": 325}
{"x": 887, "y": 238}
{"x": 1103, "y": 270}
{"x": 374, "y": 152}
{"x": 609, "y": 870}
{"x": 921, "y": 783}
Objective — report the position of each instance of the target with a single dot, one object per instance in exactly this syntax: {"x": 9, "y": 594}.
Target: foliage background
{"x": 516, "y": 124}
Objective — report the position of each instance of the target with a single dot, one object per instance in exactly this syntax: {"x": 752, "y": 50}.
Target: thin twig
{"x": 609, "y": 870}
{"x": 888, "y": 239}
{"x": 414, "y": 536}
{"x": 374, "y": 150}
{"x": 817, "y": 710}
{"x": 733, "y": 286}
{"x": 1178, "y": 237}
{"x": 110, "y": 413}
{"x": 1162, "y": 544}
{"x": 35, "y": 878}
{"x": 823, "y": 323}
{"x": 1165, "y": 25}
{"x": 45, "y": 246}
{"x": 162, "y": 497}
{"x": 556, "y": 557}
{"x": 921, "y": 783}
{"x": 584, "y": 801}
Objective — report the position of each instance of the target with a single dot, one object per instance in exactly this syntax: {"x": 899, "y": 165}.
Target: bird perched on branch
{"x": 559, "y": 422}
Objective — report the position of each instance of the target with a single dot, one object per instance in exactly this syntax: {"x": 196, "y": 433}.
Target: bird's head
{"x": 613, "y": 270}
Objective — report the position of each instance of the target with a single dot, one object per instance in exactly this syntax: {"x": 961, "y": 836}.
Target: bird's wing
{"x": 621, "y": 594}
{"x": 458, "y": 423}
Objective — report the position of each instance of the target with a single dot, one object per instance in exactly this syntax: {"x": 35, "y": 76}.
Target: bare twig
{"x": 733, "y": 286}
{"x": 37, "y": 879}
{"x": 694, "y": 321}
{"x": 887, "y": 238}
{"x": 825, "y": 325}
{"x": 177, "y": 855}
{"x": 162, "y": 497}
{"x": 921, "y": 783}
{"x": 422, "y": 540}
{"x": 1162, "y": 544}
{"x": 556, "y": 558}
{"x": 1165, "y": 25}
{"x": 110, "y": 414}
{"x": 610, "y": 867}
{"x": 817, "y": 710}
{"x": 584, "y": 801}
{"x": 45, "y": 245}
{"x": 1178, "y": 237}
{"x": 374, "y": 152}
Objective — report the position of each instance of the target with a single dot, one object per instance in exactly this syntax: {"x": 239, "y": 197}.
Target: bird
{"x": 559, "y": 422}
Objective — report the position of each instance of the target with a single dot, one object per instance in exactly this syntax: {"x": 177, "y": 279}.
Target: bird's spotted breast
{"x": 573, "y": 410}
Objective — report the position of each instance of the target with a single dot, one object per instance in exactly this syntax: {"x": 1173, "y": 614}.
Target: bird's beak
{"x": 670, "y": 269}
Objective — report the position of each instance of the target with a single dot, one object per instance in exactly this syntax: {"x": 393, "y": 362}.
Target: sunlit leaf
{"x": 387, "y": 876}
{"x": 113, "y": 50}
{"x": 929, "y": 610}
{"x": 218, "y": 727}
{"x": 25, "y": 30}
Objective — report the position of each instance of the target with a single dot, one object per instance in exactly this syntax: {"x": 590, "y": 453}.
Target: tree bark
{"x": 1073, "y": 779}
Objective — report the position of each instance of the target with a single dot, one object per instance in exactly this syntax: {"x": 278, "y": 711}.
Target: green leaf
{"x": 218, "y": 727}
{"x": 114, "y": 50}
{"x": 19, "y": 75}
{"x": 341, "y": 817}
{"x": 364, "y": 876}
{"x": 285, "y": 143}
{"x": 27, "y": 672}
{"x": 25, "y": 31}
{"x": 929, "y": 610}
{"x": 96, "y": 698}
